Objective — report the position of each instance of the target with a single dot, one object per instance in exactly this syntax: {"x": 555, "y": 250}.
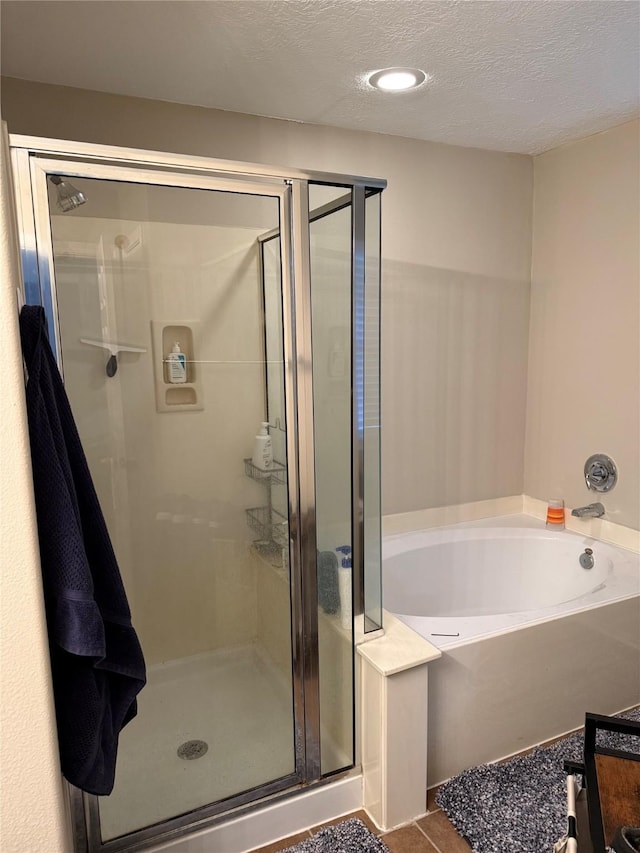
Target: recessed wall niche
{"x": 183, "y": 396}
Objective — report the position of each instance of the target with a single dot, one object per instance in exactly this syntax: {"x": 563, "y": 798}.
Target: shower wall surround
{"x": 178, "y": 272}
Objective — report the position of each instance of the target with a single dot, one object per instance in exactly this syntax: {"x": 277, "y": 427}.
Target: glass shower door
{"x": 173, "y": 355}
{"x": 178, "y": 337}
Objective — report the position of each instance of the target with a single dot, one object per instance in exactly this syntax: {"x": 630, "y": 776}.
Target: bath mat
{"x": 521, "y": 805}
{"x": 350, "y": 836}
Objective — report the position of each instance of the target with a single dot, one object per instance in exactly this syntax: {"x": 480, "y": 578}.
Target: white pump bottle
{"x": 177, "y": 363}
{"x": 262, "y": 458}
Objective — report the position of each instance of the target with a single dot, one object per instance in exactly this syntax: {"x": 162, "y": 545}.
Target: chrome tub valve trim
{"x": 600, "y": 473}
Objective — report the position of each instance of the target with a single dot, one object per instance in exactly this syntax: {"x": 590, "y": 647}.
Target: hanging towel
{"x": 328, "y": 590}
{"x": 96, "y": 660}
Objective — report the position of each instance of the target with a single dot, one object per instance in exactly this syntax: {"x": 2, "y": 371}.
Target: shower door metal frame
{"x": 33, "y": 159}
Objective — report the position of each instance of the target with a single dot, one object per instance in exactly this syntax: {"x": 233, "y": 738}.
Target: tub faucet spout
{"x": 590, "y": 511}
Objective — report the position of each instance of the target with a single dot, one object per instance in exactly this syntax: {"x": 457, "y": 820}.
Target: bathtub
{"x": 530, "y": 639}
{"x": 455, "y": 584}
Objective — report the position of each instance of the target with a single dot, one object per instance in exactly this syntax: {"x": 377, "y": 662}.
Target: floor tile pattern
{"x": 431, "y": 834}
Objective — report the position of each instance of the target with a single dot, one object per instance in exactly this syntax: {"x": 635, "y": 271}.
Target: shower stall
{"x": 267, "y": 282}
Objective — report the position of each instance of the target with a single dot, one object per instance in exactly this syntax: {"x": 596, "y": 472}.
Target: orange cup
{"x": 555, "y": 513}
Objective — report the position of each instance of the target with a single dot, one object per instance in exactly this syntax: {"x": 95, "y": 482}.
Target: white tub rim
{"x": 448, "y": 632}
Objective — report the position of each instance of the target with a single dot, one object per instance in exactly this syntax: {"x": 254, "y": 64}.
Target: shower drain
{"x": 191, "y": 749}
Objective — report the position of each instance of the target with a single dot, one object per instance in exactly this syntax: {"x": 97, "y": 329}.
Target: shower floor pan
{"x": 235, "y": 702}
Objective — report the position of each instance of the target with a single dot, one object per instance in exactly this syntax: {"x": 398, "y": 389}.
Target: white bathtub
{"x": 455, "y": 584}
{"x": 530, "y": 639}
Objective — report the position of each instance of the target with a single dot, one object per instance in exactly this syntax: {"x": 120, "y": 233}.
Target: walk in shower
{"x": 268, "y": 284}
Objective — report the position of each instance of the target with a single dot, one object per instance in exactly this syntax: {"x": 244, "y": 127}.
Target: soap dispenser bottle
{"x": 262, "y": 458}
{"x": 177, "y": 363}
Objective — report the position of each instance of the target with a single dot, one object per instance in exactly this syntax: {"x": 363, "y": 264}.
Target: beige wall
{"x": 584, "y": 358}
{"x": 456, "y": 238}
{"x": 32, "y": 812}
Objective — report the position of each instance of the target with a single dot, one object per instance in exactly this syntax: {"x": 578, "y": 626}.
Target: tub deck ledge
{"x": 400, "y": 648}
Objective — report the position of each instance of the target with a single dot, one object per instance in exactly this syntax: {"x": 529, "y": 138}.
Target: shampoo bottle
{"x": 262, "y": 458}
{"x": 177, "y": 365}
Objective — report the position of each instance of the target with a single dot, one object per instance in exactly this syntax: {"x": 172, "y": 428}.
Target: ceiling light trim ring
{"x": 396, "y": 79}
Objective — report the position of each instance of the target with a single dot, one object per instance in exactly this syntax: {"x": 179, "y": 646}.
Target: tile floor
{"x": 431, "y": 834}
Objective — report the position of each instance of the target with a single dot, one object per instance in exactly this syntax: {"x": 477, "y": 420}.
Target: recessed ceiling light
{"x": 397, "y": 79}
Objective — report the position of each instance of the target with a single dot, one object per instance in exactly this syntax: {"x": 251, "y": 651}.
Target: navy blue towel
{"x": 96, "y": 660}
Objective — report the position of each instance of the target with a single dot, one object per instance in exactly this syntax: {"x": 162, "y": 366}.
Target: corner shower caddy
{"x": 271, "y": 526}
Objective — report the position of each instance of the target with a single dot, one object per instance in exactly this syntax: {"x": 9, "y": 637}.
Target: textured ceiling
{"x": 512, "y": 75}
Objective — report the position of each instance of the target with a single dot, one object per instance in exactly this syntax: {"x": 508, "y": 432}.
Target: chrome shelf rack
{"x": 274, "y": 476}
{"x": 269, "y": 524}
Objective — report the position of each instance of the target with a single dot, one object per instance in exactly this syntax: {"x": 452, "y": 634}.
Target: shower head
{"x": 69, "y": 197}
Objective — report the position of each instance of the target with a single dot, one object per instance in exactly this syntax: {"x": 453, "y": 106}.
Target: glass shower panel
{"x": 330, "y": 255}
{"x": 371, "y": 411}
{"x": 199, "y": 533}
